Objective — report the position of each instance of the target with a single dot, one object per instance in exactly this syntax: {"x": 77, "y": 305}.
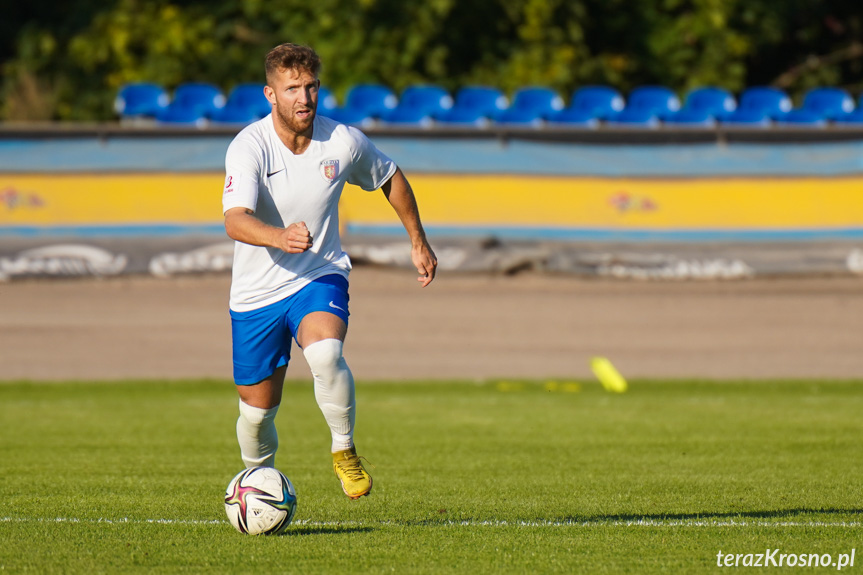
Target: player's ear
{"x": 270, "y": 94}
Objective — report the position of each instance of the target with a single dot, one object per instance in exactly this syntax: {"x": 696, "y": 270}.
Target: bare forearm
{"x": 242, "y": 225}
{"x": 245, "y": 227}
{"x": 401, "y": 197}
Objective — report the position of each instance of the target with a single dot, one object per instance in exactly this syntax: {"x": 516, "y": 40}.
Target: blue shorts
{"x": 262, "y": 337}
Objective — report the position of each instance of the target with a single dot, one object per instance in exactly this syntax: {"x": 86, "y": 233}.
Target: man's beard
{"x": 291, "y": 123}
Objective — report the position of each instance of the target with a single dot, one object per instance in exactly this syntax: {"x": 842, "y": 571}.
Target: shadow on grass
{"x": 777, "y": 515}
{"x": 726, "y": 515}
{"x": 305, "y": 530}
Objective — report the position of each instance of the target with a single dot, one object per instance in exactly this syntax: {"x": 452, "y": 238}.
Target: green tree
{"x": 800, "y": 44}
{"x": 68, "y": 62}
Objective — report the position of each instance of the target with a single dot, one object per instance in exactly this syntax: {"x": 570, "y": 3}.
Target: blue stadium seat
{"x": 635, "y": 118}
{"x": 199, "y": 96}
{"x": 854, "y": 118}
{"x": 520, "y": 117}
{"x": 747, "y": 117}
{"x": 572, "y": 118}
{"x": 831, "y": 103}
{"x": 692, "y": 117}
{"x": 234, "y": 115}
{"x": 530, "y": 103}
{"x": 407, "y": 116}
{"x": 250, "y": 96}
{"x": 464, "y": 117}
{"x": 418, "y": 104}
{"x": 474, "y": 105}
{"x": 326, "y": 101}
{"x": 759, "y": 106}
{"x": 431, "y": 99}
{"x": 657, "y": 100}
{"x": 601, "y": 102}
{"x": 245, "y": 104}
{"x": 141, "y": 100}
{"x": 351, "y": 117}
{"x": 180, "y": 115}
{"x": 363, "y": 104}
{"x": 484, "y": 98}
{"x": 717, "y": 102}
{"x": 372, "y": 99}
{"x": 773, "y": 101}
{"x": 803, "y": 119}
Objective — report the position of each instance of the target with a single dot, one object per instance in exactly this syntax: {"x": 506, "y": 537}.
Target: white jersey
{"x": 282, "y": 188}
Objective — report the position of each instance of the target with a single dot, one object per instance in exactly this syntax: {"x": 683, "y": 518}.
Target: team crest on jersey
{"x": 330, "y": 169}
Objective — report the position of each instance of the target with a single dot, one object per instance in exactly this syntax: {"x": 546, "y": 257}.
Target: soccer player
{"x": 284, "y": 176}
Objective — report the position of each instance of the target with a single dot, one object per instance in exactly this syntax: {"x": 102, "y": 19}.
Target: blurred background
{"x": 583, "y": 139}
{"x": 659, "y": 139}
{"x": 67, "y": 60}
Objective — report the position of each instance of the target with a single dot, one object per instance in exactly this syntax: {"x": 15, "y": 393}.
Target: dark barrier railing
{"x": 601, "y": 135}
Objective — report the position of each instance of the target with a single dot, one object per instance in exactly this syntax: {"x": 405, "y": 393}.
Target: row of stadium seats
{"x": 479, "y": 106}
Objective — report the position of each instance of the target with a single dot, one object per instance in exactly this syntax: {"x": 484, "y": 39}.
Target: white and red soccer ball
{"x": 260, "y": 501}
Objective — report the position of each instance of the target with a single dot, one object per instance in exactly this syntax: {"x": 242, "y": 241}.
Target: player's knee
{"x": 325, "y": 357}
{"x": 256, "y": 416}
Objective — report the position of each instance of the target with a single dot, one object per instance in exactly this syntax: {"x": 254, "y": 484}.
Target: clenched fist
{"x": 295, "y": 238}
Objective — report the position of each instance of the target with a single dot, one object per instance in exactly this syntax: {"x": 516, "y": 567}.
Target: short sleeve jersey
{"x": 282, "y": 188}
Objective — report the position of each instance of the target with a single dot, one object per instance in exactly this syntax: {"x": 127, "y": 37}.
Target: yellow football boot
{"x": 356, "y": 481}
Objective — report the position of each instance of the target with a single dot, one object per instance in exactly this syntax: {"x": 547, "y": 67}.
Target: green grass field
{"x": 524, "y": 477}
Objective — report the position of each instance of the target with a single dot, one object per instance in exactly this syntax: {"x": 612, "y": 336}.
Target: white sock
{"x": 334, "y": 390}
{"x": 256, "y": 433}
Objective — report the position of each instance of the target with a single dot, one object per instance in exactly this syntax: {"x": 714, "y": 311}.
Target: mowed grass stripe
{"x": 491, "y": 477}
{"x": 491, "y": 523}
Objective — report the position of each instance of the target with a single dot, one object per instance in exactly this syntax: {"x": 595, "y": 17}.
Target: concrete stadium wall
{"x": 516, "y": 189}
{"x": 163, "y": 188}
{"x": 508, "y": 206}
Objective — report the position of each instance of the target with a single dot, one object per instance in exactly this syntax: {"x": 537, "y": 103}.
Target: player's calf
{"x": 257, "y": 436}
{"x": 334, "y": 390}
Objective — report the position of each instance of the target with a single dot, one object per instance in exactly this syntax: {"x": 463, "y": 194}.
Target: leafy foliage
{"x": 67, "y": 62}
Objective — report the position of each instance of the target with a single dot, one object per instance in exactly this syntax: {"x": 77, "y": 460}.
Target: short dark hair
{"x": 292, "y": 57}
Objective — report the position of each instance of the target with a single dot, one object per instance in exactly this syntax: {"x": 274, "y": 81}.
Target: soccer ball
{"x": 260, "y": 500}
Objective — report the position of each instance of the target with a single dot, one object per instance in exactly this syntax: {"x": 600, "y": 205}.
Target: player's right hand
{"x": 296, "y": 238}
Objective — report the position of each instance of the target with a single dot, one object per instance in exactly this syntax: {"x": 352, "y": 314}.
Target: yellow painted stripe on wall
{"x": 735, "y": 203}
{"x": 628, "y": 203}
{"x": 110, "y": 199}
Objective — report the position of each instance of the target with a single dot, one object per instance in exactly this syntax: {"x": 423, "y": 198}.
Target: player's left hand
{"x": 425, "y": 261}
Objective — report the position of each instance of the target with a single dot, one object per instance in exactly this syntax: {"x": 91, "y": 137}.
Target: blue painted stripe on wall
{"x": 203, "y": 154}
{"x": 605, "y": 235}
{"x": 112, "y": 230}
{"x": 561, "y": 159}
{"x": 207, "y": 154}
{"x": 503, "y": 232}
